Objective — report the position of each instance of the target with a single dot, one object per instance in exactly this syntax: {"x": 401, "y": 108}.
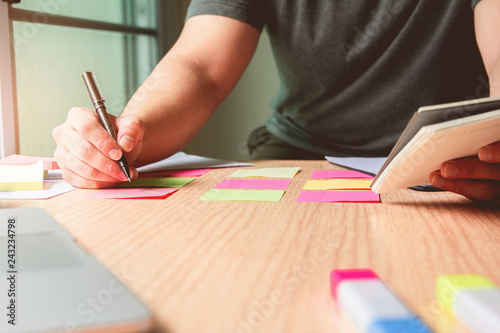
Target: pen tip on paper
{"x": 126, "y": 172}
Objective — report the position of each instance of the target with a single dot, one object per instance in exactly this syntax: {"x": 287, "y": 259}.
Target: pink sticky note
{"x": 49, "y": 163}
{"x": 340, "y": 174}
{"x": 255, "y": 184}
{"x": 338, "y": 196}
{"x": 176, "y": 173}
{"x": 133, "y": 193}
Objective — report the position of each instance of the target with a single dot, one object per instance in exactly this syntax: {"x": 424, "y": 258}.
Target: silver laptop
{"x": 50, "y": 284}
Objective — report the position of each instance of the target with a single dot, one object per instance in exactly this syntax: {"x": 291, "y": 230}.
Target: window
{"x": 52, "y": 42}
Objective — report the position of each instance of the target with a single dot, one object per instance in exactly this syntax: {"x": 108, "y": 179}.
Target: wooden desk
{"x": 264, "y": 267}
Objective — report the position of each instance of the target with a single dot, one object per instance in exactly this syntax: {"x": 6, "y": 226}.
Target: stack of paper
{"x": 21, "y": 177}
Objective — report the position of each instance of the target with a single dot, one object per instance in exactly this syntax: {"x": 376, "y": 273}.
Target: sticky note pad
{"x": 371, "y": 305}
{"x": 472, "y": 299}
{"x": 242, "y": 195}
{"x": 338, "y": 196}
{"x": 262, "y": 184}
{"x": 338, "y": 184}
{"x": 133, "y": 193}
{"x": 352, "y": 174}
{"x": 266, "y": 173}
{"x": 49, "y": 163}
{"x": 159, "y": 182}
{"x": 21, "y": 177}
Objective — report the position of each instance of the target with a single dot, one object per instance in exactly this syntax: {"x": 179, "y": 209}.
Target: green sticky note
{"x": 242, "y": 195}
{"x": 267, "y": 172}
{"x": 159, "y": 182}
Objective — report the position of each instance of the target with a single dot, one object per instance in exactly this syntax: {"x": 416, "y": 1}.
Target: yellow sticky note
{"x": 21, "y": 177}
{"x": 338, "y": 184}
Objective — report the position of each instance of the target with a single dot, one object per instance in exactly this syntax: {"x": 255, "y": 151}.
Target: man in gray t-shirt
{"x": 351, "y": 74}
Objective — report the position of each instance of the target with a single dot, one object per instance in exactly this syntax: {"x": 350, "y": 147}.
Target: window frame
{"x": 164, "y": 33}
{"x": 9, "y": 134}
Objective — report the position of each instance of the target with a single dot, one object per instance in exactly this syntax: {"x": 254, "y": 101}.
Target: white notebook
{"x": 428, "y": 141}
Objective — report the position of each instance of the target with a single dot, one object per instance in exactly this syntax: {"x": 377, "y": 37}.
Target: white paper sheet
{"x": 51, "y": 188}
{"x": 181, "y": 161}
{"x": 370, "y": 165}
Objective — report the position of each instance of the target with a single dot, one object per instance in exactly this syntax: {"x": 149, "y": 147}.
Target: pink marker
{"x": 370, "y": 305}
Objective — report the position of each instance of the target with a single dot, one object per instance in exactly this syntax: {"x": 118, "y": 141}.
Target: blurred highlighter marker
{"x": 472, "y": 299}
{"x": 370, "y": 305}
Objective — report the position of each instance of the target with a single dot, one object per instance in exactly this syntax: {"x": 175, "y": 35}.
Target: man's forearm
{"x": 494, "y": 78}
{"x": 173, "y": 103}
{"x": 487, "y": 28}
{"x": 190, "y": 82}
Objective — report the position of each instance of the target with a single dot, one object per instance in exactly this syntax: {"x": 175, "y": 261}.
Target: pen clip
{"x": 98, "y": 88}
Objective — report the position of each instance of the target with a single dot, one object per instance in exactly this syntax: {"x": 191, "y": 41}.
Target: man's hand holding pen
{"x": 88, "y": 155}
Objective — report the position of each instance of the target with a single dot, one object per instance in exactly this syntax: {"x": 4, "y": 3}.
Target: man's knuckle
{"x": 85, "y": 150}
{"x": 71, "y": 178}
{"x": 109, "y": 168}
{"x": 86, "y": 126}
{"x": 84, "y": 171}
{"x": 104, "y": 142}
{"x": 91, "y": 173}
{"x": 73, "y": 112}
{"x": 59, "y": 156}
{"x": 56, "y": 132}
{"x": 134, "y": 123}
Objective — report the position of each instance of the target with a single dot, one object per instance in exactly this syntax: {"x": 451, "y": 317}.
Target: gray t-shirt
{"x": 353, "y": 72}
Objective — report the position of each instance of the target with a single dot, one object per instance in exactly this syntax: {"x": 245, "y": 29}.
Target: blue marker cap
{"x": 410, "y": 325}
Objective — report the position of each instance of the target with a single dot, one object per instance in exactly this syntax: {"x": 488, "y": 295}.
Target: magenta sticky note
{"x": 255, "y": 184}
{"x": 338, "y": 196}
{"x": 133, "y": 193}
{"x": 176, "y": 173}
{"x": 327, "y": 174}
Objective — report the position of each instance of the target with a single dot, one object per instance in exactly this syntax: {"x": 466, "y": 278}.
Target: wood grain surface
{"x": 242, "y": 267}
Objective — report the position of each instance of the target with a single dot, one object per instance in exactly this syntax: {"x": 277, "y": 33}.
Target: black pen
{"x": 98, "y": 100}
